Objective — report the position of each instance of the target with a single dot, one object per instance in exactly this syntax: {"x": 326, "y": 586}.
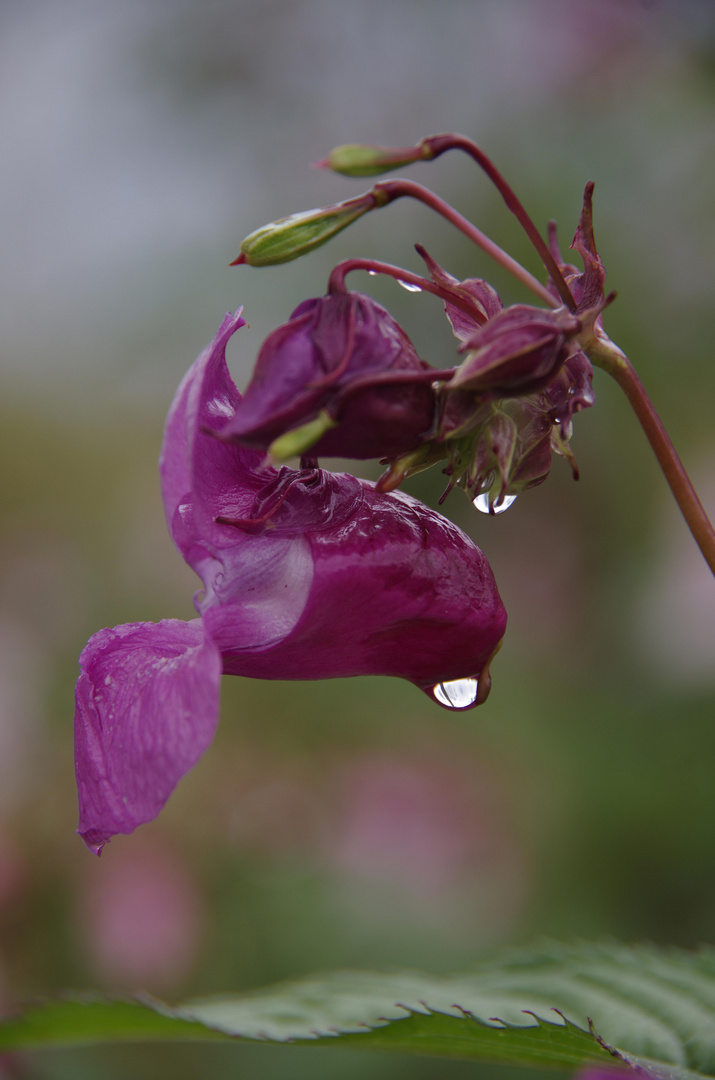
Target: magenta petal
{"x": 396, "y": 590}
{"x": 257, "y": 591}
{"x": 147, "y": 704}
{"x": 342, "y": 354}
{"x": 202, "y": 477}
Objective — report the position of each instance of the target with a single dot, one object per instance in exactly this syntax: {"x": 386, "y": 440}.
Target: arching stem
{"x": 608, "y": 356}
{"x": 336, "y": 283}
{"x": 438, "y": 144}
{"x": 387, "y": 190}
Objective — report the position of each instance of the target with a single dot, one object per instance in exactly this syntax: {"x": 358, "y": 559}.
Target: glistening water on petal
{"x": 457, "y": 694}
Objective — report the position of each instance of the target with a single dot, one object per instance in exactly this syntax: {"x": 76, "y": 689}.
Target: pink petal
{"x": 396, "y": 590}
{"x": 201, "y": 476}
{"x": 147, "y": 706}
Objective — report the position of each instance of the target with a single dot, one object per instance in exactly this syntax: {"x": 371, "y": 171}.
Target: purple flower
{"x": 343, "y": 366}
{"x": 306, "y": 575}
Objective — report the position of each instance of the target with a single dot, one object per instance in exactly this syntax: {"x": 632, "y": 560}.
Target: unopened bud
{"x": 517, "y": 352}
{"x": 356, "y": 159}
{"x": 289, "y": 237}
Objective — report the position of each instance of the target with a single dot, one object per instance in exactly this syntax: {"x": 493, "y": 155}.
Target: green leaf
{"x": 648, "y": 1007}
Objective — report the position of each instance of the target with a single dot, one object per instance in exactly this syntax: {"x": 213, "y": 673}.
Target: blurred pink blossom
{"x": 432, "y": 827}
{"x": 269, "y": 807}
{"x": 142, "y": 916}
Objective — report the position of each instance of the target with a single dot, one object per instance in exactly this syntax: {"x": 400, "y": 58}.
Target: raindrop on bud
{"x": 483, "y": 504}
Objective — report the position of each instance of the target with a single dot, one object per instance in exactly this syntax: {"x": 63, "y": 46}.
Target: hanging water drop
{"x": 458, "y": 694}
{"x": 483, "y": 504}
{"x": 408, "y": 285}
{"x": 372, "y": 273}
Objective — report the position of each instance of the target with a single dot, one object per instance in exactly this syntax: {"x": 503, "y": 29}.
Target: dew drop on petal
{"x": 458, "y": 694}
{"x": 372, "y": 273}
{"x": 482, "y": 503}
{"x": 408, "y": 285}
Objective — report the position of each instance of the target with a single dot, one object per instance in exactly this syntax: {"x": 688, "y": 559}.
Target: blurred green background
{"x": 349, "y": 823}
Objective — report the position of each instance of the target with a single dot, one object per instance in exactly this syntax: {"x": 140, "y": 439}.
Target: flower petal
{"x": 147, "y": 706}
{"x": 396, "y": 590}
{"x": 200, "y": 474}
{"x": 342, "y": 355}
{"x": 475, "y": 290}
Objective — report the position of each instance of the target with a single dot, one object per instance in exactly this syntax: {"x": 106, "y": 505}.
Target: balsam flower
{"x": 306, "y": 575}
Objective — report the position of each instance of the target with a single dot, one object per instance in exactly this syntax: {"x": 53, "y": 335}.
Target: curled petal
{"x": 201, "y": 476}
{"x": 475, "y": 291}
{"x": 587, "y": 288}
{"x": 147, "y": 705}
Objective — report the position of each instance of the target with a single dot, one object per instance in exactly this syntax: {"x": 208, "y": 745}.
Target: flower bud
{"x": 289, "y": 237}
{"x": 356, "y": 159}
{"x": 340, "y": 378}
{"x": 517, "y": 352}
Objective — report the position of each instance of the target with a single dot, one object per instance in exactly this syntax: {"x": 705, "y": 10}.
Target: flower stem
{"x": 336, "y": 283}
{"x": 387, "y": 190}
{"x": 438, "y": 144}
{"x": 605, "y": 354}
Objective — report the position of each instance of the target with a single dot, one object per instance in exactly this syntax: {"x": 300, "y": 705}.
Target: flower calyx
{"x": 587, "y": 286}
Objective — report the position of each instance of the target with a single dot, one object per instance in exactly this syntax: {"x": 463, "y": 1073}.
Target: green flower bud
{"x": 355, "y": 159}
{"x": 288, "y": 238}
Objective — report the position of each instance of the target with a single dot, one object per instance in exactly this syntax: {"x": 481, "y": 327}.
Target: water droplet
{"x": 458, "y": 694}
{"x": 408, "y": 285}
{"x": 485, "y": 507}
{"x": 372, "y": 273}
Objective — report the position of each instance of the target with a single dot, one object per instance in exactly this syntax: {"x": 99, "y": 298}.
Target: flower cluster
{"x": 309, "y": 574}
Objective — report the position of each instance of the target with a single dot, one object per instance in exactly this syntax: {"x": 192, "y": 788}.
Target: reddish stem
{"x": 438, "y": 144}
{"x": 605, "y": 354}
{"x": 387, "y": 190}
{"x": 336, "y": 283}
